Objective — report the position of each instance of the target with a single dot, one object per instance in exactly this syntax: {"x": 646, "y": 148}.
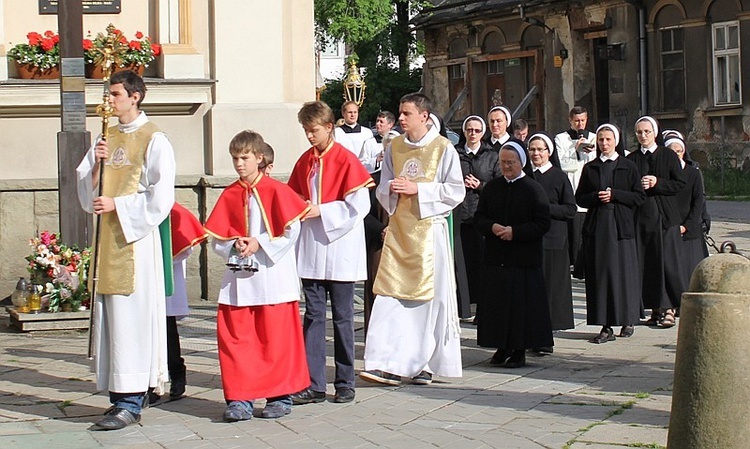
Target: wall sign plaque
{"x": 89, "y": 6}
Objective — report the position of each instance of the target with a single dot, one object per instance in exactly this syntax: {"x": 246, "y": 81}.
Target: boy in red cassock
{"x": 254, "y": 226}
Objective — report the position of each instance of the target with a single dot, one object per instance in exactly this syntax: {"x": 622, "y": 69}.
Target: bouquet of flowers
{"x": 138, "y": 51}
{"x": 61, "y": 270}
{"x": 42, "y": 50}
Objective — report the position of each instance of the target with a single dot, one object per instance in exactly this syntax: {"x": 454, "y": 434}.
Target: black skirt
{"x": 514, "y": 312}
{"x": 613, "y": 287}
{"x": 559, "y": 288}
{"x": 692, "y": 251}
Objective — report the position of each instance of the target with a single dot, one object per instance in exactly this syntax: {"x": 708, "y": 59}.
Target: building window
{"x": 496, "y": 67}
{"x": 457, "y": 71}
{"x": 672, "y": 69}
{"x": 726, "y": 63}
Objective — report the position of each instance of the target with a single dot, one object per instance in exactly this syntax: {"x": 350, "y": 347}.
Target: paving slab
{"x": 583, "y": 396}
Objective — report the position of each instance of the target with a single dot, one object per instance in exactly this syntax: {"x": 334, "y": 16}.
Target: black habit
{"x": 610, "y": 256}
{"x": 514, "y": 312}
{"x": 692, "y": 202}
{"x": 658, "y": 233}
{"x": 562, "y": 207}
{"x": 484, "y": 166}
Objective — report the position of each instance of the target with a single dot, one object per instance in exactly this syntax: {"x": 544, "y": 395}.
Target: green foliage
{"x": 352, "y": 21}
{"x": 734, "y": 182}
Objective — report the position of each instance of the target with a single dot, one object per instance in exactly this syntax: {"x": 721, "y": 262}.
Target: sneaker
{"x": 118, "y": 418}
{"x": 344, "y": 394}
{"x": 423, "y": 378}
{"x": 236, "y": 411}
{"x": 381, "y": 377}
{"x": 275, "y": 410}
{"x": 308, "y": 396}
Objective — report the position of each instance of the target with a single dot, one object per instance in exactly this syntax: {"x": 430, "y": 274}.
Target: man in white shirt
{"x": 372, "y": 149}
{"x": 576, "y": 147}
{"x": 351, "y": 135}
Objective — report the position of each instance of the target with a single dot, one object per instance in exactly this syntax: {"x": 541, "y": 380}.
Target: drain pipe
{"x": 643, "y": 56}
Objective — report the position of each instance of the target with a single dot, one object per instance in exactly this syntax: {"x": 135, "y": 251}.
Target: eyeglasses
{"x": 473, "y": 131}
{"x": 508, "y": 163}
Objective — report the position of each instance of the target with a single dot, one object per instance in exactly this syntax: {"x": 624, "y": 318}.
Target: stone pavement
{"x": 590, "y": 396}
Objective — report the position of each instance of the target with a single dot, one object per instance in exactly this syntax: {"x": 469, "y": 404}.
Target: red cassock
{"x": 261, "y": 348}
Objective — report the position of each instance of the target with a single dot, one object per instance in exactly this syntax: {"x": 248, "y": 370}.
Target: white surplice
{"x": 130, "y": 330}
{"x": 276, "y": 280}
{"x": 177, "y": 304}
{"x": 405, "y": 337}
{"x": 352, "y": 141}
{"x": 332, "y": 246}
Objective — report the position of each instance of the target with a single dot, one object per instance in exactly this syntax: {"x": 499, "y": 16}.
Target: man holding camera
{"x": 576, "y": 147}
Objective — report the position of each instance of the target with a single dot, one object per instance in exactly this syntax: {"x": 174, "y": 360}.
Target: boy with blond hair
{"x": 254, "y": 226}
{"x": 331, "y": 248}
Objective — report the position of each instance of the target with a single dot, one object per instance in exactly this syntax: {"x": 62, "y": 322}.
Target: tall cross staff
{"x": 108, "y": 56}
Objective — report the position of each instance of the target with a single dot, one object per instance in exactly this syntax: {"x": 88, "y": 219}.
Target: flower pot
{"x": 28, "y": 71}
{"x": 95, "y": 71}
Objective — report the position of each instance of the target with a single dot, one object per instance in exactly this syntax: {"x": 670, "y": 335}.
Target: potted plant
{"x": 133, "y": 54}
{"x": 39, "y": 58}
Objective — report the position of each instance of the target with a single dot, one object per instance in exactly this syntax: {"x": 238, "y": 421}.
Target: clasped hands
{"x": 246, "y": 246}
{"x": 504, "y": 232}
{"x": 471, "y": 182}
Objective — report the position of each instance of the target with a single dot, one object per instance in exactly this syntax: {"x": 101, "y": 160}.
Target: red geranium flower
{"x": 47, "y": 44}
{"x": 135, "y": 45}
{"x": 87, "y": 44}
{"x": 34, "y": 38}
{"x": 156, "y": 48}
{"x": 48, "y": 33}
{"x": 138, "y": 35}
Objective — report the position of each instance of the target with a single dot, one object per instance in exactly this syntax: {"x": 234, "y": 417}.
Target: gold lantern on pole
{"x": 354, "y": 85}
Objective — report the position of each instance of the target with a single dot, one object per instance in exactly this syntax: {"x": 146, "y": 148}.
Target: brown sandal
{"x": 668, "y": 320}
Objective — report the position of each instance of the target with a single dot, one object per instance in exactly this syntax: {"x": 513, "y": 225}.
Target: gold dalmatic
{"x": 122, "y": 174}
{"x": 407, "y": 263}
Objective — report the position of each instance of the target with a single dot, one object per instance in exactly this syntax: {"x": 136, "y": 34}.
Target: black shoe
{"x": 381, "y": 377}
{"x": 344, "y": 394}
{"x": 627, "y": 331}
{"x": 308, "y": 396}
{"x": 150, "y": 399}
{"x": 500, "y": 357}
{"x": 423, "y": 378}
{"x": 118, "y": 418}
{"x": 517, "y": 359}
{"x": 543, "y": 350}
{"x": 177, "y": 389}
{"x": 607, "y": 334}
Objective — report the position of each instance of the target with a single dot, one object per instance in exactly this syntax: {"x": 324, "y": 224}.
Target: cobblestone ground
{"x": 583, "y": 396}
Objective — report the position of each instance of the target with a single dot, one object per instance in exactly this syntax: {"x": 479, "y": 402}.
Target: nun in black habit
{"x": 513, "y": 214}
{"x": 562, "y": 207}
{"x": 610, "y": 188}
{"x": 692, "y": 203}
{"x": 657, "y": 224}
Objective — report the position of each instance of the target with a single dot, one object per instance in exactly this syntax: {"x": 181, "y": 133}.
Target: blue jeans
{"x": 314, "y": 328}
{"x": 131, "y": 402}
